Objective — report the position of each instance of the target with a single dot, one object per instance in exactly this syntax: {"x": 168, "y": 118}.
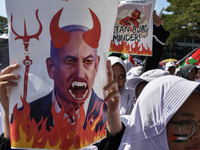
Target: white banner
{"x": 133, "y": 31}
{"x": 61, "y": 47}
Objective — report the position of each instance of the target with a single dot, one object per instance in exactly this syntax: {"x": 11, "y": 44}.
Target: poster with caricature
{"x": 61, "y": 47}
{"x": 133, "y": 29}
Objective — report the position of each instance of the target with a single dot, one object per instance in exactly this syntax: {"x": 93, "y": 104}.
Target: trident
{"x": 26, "y": 38}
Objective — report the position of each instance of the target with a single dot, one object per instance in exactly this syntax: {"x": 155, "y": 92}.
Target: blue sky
{"x": 159, "y": 5}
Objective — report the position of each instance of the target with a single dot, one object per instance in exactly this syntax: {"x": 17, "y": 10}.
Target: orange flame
{"x": 124, "y": 47}
{"x": 64, "y": 135}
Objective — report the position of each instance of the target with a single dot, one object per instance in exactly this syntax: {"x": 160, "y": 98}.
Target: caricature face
{"x": 119, "y": 75}
{"x": 73, "y": 69}
{"x": 189, "y": 111}
{"x": 136, "y": 14}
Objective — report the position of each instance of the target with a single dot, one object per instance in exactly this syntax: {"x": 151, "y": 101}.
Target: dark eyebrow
{"x": 185, "y": 114}
{"x": 72, "y": 57}
{"x": 89, "y": 56}
{"x": 69, "y": 56}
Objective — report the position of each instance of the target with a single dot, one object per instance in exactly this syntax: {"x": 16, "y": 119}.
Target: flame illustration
{"x": 64, "y": 135}
{"x": 124, "y": 47}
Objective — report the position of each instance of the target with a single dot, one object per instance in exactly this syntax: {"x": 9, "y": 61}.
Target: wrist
{"x": 6, "y": 114}
{"x": 114, "y": 125}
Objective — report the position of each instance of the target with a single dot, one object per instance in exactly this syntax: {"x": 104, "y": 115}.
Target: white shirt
{"x": 58, "y": 109}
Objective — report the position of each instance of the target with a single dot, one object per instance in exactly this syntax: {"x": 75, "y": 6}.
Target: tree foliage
{"x": 3, "y": 25}
{"x": 183, "y": 18}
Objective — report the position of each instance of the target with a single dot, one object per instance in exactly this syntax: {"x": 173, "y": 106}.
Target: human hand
{"x": 156, "y": 19}
{"x": 114, "y": 125}
{"x": 114, "y": 96}
{"x": 6, "y": 78}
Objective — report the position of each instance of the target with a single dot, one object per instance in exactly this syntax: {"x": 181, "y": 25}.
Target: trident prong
{"x": 25, "y": 37}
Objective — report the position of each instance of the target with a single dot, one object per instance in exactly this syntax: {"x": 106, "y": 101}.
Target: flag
{"x": 191, "y": 58}
{"x": 177, "y": 138}
{"x": 123, "y": 57}
{"x": 160, "y": 13}
{"x": 131, "y": 60}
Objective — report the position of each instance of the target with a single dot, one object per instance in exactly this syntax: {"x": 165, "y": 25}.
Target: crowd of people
{"x": 147, "y": 107}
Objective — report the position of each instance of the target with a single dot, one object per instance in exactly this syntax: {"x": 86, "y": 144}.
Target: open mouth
{"x": 78, "y": 90}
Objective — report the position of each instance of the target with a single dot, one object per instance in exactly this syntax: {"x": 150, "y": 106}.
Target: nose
{"x": 196, "y": 135}
{"x": 80, "y": 70}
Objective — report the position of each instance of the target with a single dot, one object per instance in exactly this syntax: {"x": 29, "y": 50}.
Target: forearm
{"x": 114, "y": 124}
{"x": 153, "y": 61}
{"x": 112, "y": 142}
{"x": 6, "y": 126}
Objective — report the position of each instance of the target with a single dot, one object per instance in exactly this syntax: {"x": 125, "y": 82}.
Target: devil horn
{"x": 92, "y": 36}
{"x": 59, "y": 37}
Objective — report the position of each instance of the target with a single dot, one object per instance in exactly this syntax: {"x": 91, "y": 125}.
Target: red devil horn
{"x": 92, "y": 36}
{"x": 59, "y": 37}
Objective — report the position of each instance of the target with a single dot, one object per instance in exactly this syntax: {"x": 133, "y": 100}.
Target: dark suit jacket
{"x": 42, "y": 108}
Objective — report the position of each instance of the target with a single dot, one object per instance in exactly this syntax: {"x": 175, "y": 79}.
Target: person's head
{"x": 188, "y": 71}
{"x": 166, "y": 115}
{"x": 198, "y": 74}
{"x": 185, "y": 124}
{"x": 119, "y": 71}
{"x": 193, "y": 74}
{"x": 170, "y": 67}
{"x": 74, "y": 61}
{"x": 136, "y": 14}
{"x": 138, "y": 83}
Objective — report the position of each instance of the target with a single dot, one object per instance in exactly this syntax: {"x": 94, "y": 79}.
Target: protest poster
{"x": 61, "y": 47}
{"x": 133, "y": 29}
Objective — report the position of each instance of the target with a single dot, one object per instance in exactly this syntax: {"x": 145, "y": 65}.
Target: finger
{"x": 155, "y": 16}
{"x": 9, "y": 69}
{"x": 5, "y": 84}
{"x": 155, "y": 19}
{"x": 110, "y": 85}
{"x": 154, "y": 13}
{"x": 109, "y": 71}
{"x": 156, "y": 22}
{"x": 114, "y": 94}
{"x": 7, "y": 77}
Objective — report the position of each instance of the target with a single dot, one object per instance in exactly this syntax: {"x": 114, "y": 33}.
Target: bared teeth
{"x": 79, "y": 84}
{"x": 73, "y": 95}
{"x": 76, "y": 85}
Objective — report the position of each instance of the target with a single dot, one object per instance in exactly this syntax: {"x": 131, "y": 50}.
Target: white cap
{"x": 156, "y": 105}
{"x": 114, "y": 60}
{"x": 128, "y": 65}
{"x": 169, "y": 64}
{"x": 146, "y": 76}
{"x": 134, "y": 72}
